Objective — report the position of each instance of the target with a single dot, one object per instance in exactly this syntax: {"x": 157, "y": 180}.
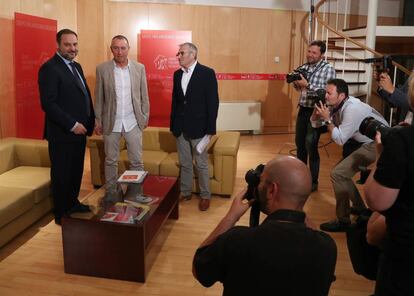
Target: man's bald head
{"x": 292, "y": 177}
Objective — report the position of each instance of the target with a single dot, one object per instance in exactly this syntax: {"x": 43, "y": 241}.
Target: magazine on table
{"x": 142, "y": 199}
{"x": 132, "y": 176}
{"x": 122, "y": 212}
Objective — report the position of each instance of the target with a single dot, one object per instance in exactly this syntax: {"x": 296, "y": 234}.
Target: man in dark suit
{"x": 69, "y": 117}
{"x": 193, "y": 120}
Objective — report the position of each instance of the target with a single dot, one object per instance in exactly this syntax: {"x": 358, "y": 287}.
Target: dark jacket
{"x": 195, "y": 113}
{"x": 63, "y": 101}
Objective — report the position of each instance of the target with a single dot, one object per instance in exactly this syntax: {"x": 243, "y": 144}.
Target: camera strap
{"x": 317, "y": 68}
{"x": 335, "y": 111}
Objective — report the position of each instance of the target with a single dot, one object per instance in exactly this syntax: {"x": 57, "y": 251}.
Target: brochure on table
{"x": 132, "y": 176}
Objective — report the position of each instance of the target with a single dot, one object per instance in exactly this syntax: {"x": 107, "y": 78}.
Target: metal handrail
{"x": 376, "y": 53}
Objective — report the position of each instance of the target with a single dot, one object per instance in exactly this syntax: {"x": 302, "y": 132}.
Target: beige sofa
{"x": 161, "y": 158}
{"x": 24, "y": 185}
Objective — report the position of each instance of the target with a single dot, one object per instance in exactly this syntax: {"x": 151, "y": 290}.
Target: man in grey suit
{"x": 122, "y": 109}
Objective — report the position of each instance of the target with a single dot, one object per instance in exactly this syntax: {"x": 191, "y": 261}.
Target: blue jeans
{"x": 306, "y": 140}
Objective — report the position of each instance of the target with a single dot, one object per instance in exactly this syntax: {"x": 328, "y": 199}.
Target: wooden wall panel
{"x": 225, "y": 47}
{"x": 64, "y": 11}
{"x": 90, "y": 37}
{"x": 197, "y": 19}
{"x": 7, "y": 90}
{"x": 279, "y": 109}
{"x": 125, "y": 19}
{"x": 164, "y": 17}
{"x": 254, "y": 30}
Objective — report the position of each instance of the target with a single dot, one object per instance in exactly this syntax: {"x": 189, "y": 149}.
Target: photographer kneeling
{"x": 282, "y": 256}
{"x": 389, "y": 189}
{"x": 343, "y": 116}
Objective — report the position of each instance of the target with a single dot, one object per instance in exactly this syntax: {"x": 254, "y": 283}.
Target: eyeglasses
{"x": 181, "y": 53}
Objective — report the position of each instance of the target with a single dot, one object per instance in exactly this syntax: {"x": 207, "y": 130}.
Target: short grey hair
{"x": 192, "y": 47}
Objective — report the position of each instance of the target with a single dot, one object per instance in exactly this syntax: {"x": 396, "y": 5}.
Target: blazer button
{"x": 185, "y": 102}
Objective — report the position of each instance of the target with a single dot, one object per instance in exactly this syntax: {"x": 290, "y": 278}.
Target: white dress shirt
{"x": 187, "y": 76}
{"x": 351, "y": 114}
{"x": 125, "y": 116}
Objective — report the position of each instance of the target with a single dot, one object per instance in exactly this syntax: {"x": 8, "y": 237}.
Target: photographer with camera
{"x": 389, "y": 190}
{"x": 396, "y": 96}
{"x": 308, "y": 79}
{"x": 343, "y": 116}
{"x": 283, "y": 255}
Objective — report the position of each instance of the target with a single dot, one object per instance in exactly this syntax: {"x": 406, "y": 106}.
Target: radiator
{"x": 239, "y": 116}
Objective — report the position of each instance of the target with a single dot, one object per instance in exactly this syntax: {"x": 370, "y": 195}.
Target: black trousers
{"x": 307, "y": 139}
{"x": 67, "y": 160}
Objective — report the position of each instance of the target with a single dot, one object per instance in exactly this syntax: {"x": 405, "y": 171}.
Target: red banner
{"x": 249, "y": 76}
{"x": 158, "y": 50}
{"x": 35, "y": 43}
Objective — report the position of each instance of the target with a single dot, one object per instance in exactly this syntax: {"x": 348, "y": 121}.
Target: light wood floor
{"x": 32, "y": 264}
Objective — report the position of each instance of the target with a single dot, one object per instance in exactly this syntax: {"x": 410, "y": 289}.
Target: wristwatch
{"x": 327, "y": 122}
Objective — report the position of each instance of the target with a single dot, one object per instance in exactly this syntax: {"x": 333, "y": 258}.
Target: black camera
{"x": 317, "y": 95}
{"x": 382, "y": 64}
{"x": 252, "y": 178}
{"x": 295, "y": 75}
{"x": 369, "y": 127}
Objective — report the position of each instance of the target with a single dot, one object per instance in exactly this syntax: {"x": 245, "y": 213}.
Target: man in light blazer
{"x": 194, "y": 110}
{"x": 69, "y": 118}
{"x": 122, "y": 110}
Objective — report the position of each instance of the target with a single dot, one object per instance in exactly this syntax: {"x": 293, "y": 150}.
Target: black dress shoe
{"x": 58, "y": 220}
{"x": 334, "y": 226}
{"x": 79, "y": 208}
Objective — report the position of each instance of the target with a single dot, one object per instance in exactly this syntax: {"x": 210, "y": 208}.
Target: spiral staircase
{"x": 346, "y": 47}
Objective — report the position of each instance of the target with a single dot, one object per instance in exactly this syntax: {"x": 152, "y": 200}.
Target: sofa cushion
{"x": 31, "y": 152}
{"x": 170, "y": 166}
{"x": 158, "y": 139}
{"x": 152, "y": 161}
{"x": 8, "y": 156}
{"x": 36, "y": 179}
{"x": 168, "y": 142}
{"x": 150, "y": 139}
{"x": 13, "y": 203}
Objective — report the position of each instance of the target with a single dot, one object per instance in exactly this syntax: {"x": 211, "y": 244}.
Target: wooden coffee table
{"x": 115, "y": 250}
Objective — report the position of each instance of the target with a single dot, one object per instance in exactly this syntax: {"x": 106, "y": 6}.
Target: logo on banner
{"x": 161, "y": 62}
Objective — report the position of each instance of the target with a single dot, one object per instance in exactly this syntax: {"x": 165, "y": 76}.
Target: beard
{"x": 262, "y": 199}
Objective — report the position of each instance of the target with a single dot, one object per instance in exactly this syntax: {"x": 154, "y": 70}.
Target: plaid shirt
{"x": 319, "y": 73}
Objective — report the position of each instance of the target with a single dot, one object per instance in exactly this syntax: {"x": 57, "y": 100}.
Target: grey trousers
{"x": 133, "y": 141}
{"x": 341, "y": 177}
{"x": 186, "y": 151}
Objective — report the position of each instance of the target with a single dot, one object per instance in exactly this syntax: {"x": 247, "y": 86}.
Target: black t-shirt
{"x": 395, "y": 169}
{"x": 280, "y": 257}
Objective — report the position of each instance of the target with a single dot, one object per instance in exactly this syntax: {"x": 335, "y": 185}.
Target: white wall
{"x": 389, "y": 8}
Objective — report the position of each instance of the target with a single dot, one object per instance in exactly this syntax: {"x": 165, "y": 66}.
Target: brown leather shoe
{"x": 204, "y": 204}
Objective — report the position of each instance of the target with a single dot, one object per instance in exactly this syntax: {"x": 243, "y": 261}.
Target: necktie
{"x": 81, "y": 85}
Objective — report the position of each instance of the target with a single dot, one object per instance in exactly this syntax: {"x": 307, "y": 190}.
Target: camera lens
{"x": 369, "y": 127}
